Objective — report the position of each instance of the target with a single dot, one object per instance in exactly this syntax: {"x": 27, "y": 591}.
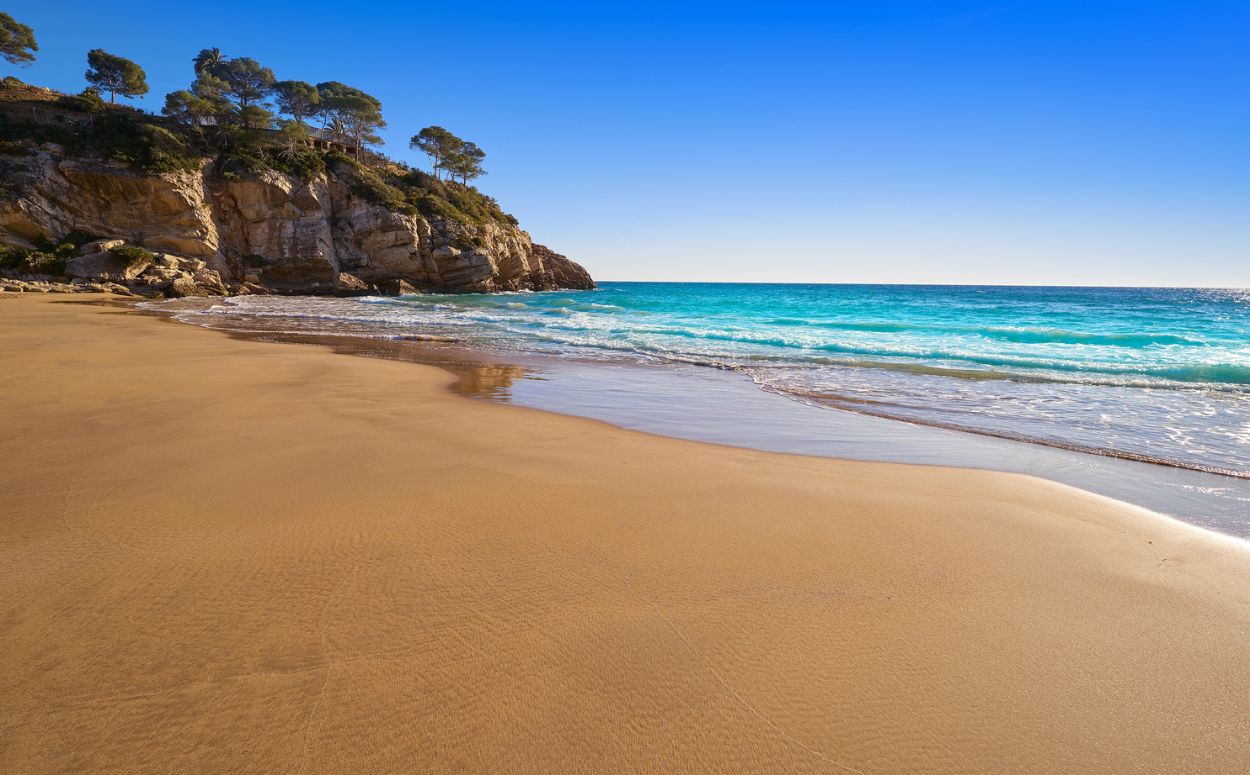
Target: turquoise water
{"x": 1153, "y": 374}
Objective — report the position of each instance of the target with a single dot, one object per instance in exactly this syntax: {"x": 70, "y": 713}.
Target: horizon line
{"x": 940, "y": 284}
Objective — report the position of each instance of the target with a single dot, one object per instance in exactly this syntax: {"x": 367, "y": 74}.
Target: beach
{"x": 229, "y": 555}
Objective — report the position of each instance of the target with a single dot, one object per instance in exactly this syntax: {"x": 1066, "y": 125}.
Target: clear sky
{"x": 1049, "y": 142}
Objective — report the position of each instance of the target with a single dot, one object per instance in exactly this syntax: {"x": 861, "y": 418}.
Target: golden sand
{"x": 222, "y": 555}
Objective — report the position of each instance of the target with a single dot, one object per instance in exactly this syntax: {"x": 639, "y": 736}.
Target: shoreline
{"x": 232, "y": 554}
{"x": 1212, "y": 500}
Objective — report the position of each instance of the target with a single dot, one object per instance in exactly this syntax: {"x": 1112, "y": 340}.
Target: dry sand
{"x": 221, "y": 555}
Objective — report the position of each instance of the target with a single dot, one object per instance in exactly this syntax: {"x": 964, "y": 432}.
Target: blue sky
{"x": 1047, "y": 142}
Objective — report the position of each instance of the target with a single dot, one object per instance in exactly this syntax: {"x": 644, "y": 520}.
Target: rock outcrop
{"x": 266, "y": 232}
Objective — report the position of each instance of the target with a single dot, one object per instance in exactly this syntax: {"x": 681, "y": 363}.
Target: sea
{"x": 1148, "y": 388}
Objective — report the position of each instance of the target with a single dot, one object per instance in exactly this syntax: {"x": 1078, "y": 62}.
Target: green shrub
{"x": 435, "y": 207}
{"x": 65, "y": 249}
{"x": 11, "y": 258}
{"x": 147, "y": 147}
{"x": 131, "y": 255}
{"x": 240, "y": 163}
{"x": 47, "y": 257}
{"x": 32, "y": 261}
{"x": 466, "y": 242}
{"x": 452, "y": 201}
{"x": 299, "y": 162}
{"x": 369, "y": 185}
{"x": 89, "y": 101}
{"x": 24, "y": 132}
{"x": 122, "y": 135}
{"x": 39, "y": 262}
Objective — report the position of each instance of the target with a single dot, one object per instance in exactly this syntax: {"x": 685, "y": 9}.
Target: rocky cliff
{"x": 267, "y": 230}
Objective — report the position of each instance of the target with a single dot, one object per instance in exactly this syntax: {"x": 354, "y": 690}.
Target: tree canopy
{"x": 247, "y": 81}
{"x": 236, "y": 113}
{"x": 437, "y": 143}
{"x": 350, "y": 112}
{"x": 232, "y": 98}
{"x": 458, "y": 158}
{"x": 225, "y": 92}
{"x": 466, "y": 163}
{"x": 297, "y": 99}
{"x": 207, "y": 60}
{"x": 17, "y": 41}
{"x": 115, "y": 75}
{"x": 190, "y": 109}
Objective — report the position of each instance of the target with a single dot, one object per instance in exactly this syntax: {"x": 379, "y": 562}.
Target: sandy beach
{"x": 228, "y": 555}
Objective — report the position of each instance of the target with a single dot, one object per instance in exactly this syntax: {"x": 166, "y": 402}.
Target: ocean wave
{"x": 917, "y": 356}
{"x": 1006, "y": 333}
{"x": 1153, "y": 374}
{"x": 579, "y": 324}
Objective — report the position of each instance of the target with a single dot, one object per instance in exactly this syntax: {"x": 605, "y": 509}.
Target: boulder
{"x": 103, "y": 265}
{"x": 118, "y": 289}
{"x": 350, "y": 285}
{"x": 396, "y": 287}
{"x": 151, "y": 290}
{"x": 185, "y": 285}
{"x": 210, "y": 281}
{"x": 100, "y": 246}
{"x": 557, "y": 271}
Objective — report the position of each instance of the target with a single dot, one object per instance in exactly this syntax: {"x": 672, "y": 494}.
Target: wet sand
{"x": 229, "y": 555}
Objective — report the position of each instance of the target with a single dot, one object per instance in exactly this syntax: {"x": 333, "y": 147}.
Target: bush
{"x": 131, "y": 255}
{"x": 414, "y": 191}
{"x": 240, "y": 163}
{"x": 89, "y": 101}
{"x": 466, "y": 242}
{"x": 20, "y": 133}
{"x": 31, "y": 261}
{"x": 145, "y": 146}
{"x": 38, "y": 262}
{"x": 368, "y": 184}
{"x": 47, "y": 257}
{"x": 302, "y": 163}
{"x": 452, "y": 201}
{"x": 11, "y": 258}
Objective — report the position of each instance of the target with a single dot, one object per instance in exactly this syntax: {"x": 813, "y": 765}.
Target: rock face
{"x": 272, "y": 232}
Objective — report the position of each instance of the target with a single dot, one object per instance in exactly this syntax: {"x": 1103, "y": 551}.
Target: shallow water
{"x": 1152, "y": 374}
{"x": 1156, "y": 375}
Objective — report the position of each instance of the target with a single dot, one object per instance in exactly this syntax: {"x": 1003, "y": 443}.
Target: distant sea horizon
{"x": 933, "y": 284}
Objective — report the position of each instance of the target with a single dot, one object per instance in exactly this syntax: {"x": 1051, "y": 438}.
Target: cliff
{"x": 340, "y": 227}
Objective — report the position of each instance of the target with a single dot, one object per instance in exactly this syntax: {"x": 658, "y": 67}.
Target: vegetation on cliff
{"x": 46, "y": 258}
{"x": 243, "y": 184}
{"x": 238, "y": 119}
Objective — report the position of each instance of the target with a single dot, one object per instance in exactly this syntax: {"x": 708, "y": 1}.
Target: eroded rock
{"x": 272, "y": 231}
